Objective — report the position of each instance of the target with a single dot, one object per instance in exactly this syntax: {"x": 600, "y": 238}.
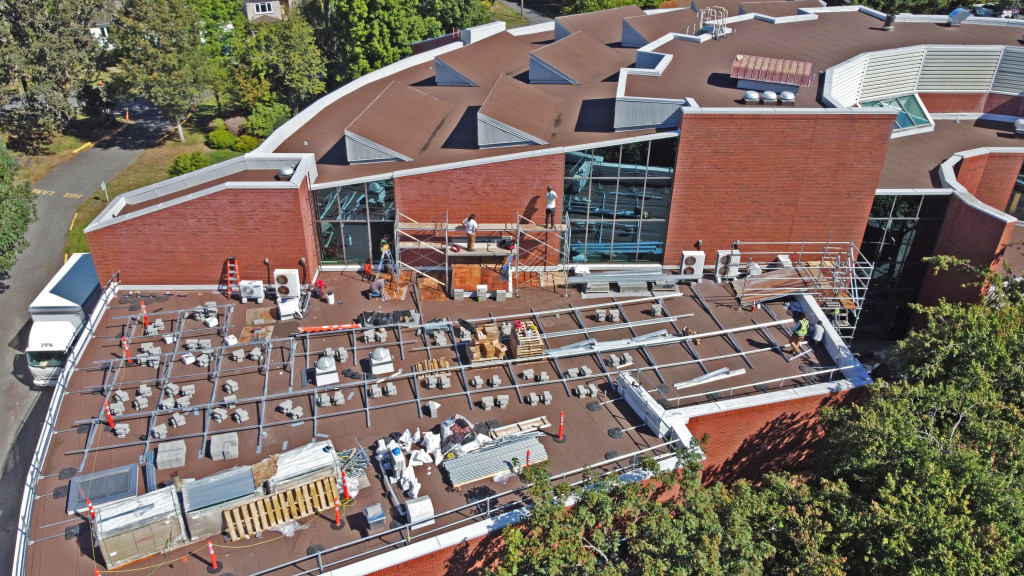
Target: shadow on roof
{"x": 464, "y": 135}
{"x": 336, "y": 155}
{"x": 596, "y": 115}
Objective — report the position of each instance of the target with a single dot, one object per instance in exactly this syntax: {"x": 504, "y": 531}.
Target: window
{"x": 909, "y": 111}
{"x": 617, "y": 199}
{"x": 263, "y": 7}
{"x": 352, "y": 219}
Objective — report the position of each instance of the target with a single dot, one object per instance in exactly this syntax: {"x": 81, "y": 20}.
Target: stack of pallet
{"x": 526, "y": 341}
{"x": 487, "y": 344}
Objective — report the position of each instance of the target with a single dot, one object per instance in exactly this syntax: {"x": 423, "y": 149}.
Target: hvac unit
{"x": 693, "y": 265}
{"x": 286, "y": 280}
{"x": 727, "y": 265}
{"x": 251, "y": 290}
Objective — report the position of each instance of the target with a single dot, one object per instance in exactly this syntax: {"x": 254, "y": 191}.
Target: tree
{"x": 455, "y": 14}
{"x": 160, "y": 55}
{"x": 278, "y": 62}
{"x": 912, "y": 6}
{"x": 48, "y": 56}
{"x": 17, "y": 204}
{"x": 221, "y": 20}
{"x": 357, "y": 36}
{"x": 581, "y": 6}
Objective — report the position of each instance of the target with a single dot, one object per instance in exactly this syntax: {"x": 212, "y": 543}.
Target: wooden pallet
{"x": 265, "y": 513}
{"x": 526, "y": 343}
{"x": 432, "y": 365}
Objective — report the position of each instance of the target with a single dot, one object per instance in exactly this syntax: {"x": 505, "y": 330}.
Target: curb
{"x": 82, "y": 147}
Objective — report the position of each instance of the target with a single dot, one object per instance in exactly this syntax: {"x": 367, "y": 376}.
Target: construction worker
{"x": 799, "y": 333}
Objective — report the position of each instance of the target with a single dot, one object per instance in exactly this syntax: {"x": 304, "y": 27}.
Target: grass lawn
{"x": 150, "y": 168}
{"x": 511, "y": 18}
{"x": 35, "y": 166}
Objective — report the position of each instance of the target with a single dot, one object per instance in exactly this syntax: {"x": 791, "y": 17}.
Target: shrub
{"x": 266, "y": 118}
{"x": 216, "y": 124}
{"x": 188, "y": 162}
{"x": 220, "y": 139}
{"x": 235, "y": 124}
{"x": 246, "y": 143}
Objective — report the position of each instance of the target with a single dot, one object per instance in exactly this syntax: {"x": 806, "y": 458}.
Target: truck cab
{"x": 59, "y": 313}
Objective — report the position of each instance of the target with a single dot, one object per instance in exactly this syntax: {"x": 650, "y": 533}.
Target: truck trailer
{"x": 58, "y": 314}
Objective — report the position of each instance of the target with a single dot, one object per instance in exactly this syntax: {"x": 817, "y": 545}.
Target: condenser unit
{"x": 286, "y": 281}
{"x": 727, "y": 265}
{"x": 252, "y": 290}
{"x": 693, "y": 265}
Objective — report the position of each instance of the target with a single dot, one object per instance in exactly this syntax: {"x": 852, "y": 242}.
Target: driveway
{"x": 58, "y": 195}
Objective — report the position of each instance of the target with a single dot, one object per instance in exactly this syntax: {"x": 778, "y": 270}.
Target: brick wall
{"x": 971, "y": 234}
{"x": 774, "y": 178}
{"x": 1004, "y": 104}
{"x": 189, "y": 242}
{"x": 465, "y": 559}
{"x": 990, "y": 177}
{"x": 749, "y": 442}
{"x": 951, "y": 103}
{"x": 494, "y": 192}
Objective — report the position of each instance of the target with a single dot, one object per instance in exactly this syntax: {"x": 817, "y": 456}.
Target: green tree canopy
{"x": 160, "y": 55}
{"x": 48, "y": 56}
{"x": 455, "y": 14}
{"x": 278, "y": 62}
{"x": 17, "y": 204}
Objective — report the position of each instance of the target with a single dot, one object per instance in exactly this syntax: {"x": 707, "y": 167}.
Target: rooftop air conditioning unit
{"x": 286, "y": 281}
{"x": 693, "y": 265}
{"x": 286, "y": 172}
{"x": 727, "y": 265}
{"x": 252, "y": 290}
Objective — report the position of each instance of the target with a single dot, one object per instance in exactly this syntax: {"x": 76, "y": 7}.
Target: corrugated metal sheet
{"x": 134, "y": 528}
{"x": 359, "y": 149}
{"x": 221, "y": 487}
{"x": 635, "y": 114}
{"x": 129, "y": 513}
{"x": 543, "y": 73}
{"x": 1009, "y": 78}
{"x": 445, "y": 75}
{"x": 295, "y": 465}
{"x": 773, "y": 70}
{"x": 891, "y": 73}
{"x": 493, "y": 459}
{"x": 959, "y": 68}
{"x": 846, "y": 80}
{"x": 491, "y": 133}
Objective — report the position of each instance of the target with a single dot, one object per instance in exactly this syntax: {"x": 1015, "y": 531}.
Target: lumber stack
{"x": 265, "y": 513}
{"x": 526, "y": 341}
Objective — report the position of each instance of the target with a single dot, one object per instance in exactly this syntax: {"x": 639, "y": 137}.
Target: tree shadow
{"x": 470, "y": 558}
{"x": 786, "y": 443}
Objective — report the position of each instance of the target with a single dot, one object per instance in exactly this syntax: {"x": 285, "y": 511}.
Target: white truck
{"x": 58, "y": 315}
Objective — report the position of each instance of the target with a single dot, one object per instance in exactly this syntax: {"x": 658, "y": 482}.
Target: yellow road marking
{"x": 82, "y": 147}
{"x": 73, "y": 222}
{"x": 41, "y": 192}
{"x": 72, "y": 195}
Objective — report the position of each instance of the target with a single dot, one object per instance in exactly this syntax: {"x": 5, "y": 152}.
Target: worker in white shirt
{"x": 549, "y": 212}
{"x": 470, "y": 224}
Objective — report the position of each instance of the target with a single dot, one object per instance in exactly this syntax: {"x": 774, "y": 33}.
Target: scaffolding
{"x": 836, "y": 274}
{"x": 429, "y": 249}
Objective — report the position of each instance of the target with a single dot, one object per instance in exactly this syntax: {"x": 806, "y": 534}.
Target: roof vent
{"x": 751, "y": 97}
{"x": 286, "y": 172}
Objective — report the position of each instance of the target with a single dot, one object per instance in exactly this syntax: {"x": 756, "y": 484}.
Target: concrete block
{"x": 159, "y": 431}
{"x": 144, "y": 391}
{"x": 170, "y": 455}
{"x": 188, "y": 390}
{"x": 240, "y": 416}
{"x": 178, "y": 419}
{"x": 230, "y": 386}
{"x": 224, "y": 446}
{"x": 140, "y": 403}
{"x": 219, "y": 414}
{"x": 229, "y": 400}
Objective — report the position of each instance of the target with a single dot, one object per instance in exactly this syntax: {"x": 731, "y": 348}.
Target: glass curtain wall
{"x": 616, "y": 201}
{"x": 901, "y": 230}
{"x": 352, "y": 219}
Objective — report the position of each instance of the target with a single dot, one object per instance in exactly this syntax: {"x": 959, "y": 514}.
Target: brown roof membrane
{"x": 523, "y": 107}
{"x": 583, "y": 58}
{"x": 401, "y": 119}
{"x": 777, "y": 8}
{"x": 605, "y": 26}
{"x": 700, "y": 71}
{"x": 654, "y": 26}
{"x": 484, "y": 61}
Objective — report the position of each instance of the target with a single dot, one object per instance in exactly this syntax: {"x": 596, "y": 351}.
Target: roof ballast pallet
{"x": 295, "y": 503}
{"x": 526, "y": 342}
{"x": 487, "y": 462}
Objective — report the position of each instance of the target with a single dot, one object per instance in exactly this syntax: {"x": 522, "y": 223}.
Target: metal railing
{"x": 49, "y": 424}
{"x": 489, "y": 503}
{"x": 766, "y": 383}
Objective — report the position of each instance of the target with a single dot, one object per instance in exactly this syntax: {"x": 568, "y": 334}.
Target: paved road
{"x": 58, "y": 195}
{"x": 531, "y": 16}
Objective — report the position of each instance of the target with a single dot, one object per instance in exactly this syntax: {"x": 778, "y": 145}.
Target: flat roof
{"x": 402, "y": 119}
{"x": 583, "y": 58}
{"x": 654, "y": 26}
{"x": 484, "y": 61}
{"x": 913, "y": 161}
{"x": 697, "y": 70}
{"x": 604, "y": 26}
{"x": 522, "y": 107}
{"x": 81, "y": 442}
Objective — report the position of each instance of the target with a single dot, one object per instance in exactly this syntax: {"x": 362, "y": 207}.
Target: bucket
{"x": 330, "y": 296}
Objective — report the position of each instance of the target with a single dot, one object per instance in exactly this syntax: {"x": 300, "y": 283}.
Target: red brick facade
{"x": 972, "y": 103}
{"x": 968, "y": 233}
{"x": 990, "y": 177}
{"x": 749, "y": 442}
{"x": 188, "y": 243}
{"x": 1004, "y": 104}
{"x": 774, "y": 178}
